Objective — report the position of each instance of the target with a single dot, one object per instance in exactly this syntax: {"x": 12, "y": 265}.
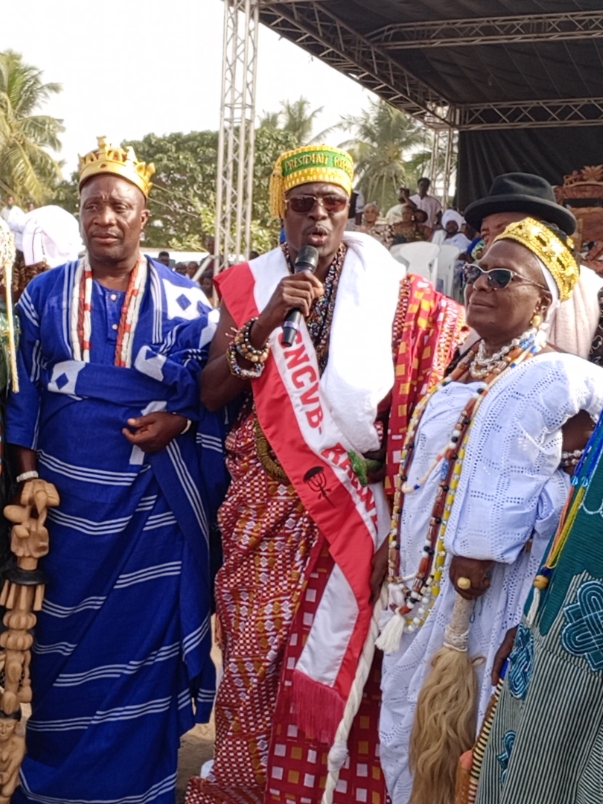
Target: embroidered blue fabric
{"x": 521, "y": 663}
{"x": 582, "y": 636}
{"x": 505, "y": 756}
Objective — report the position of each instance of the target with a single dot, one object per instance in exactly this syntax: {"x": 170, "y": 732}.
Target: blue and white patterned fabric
{"x": 521, "y": 663}
{"x": 122, "y": 643}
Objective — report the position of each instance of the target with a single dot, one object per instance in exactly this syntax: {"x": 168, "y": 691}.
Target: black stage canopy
{"x": 522, "y": 80}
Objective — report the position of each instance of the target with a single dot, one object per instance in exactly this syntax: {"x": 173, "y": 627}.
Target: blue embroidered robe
{"x": 122, "y": 643}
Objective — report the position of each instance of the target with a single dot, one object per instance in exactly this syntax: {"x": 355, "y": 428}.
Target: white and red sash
{"x": 311, "y": 423}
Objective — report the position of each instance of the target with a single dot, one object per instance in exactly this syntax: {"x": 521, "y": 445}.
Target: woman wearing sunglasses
{"x": 479, "y": 493}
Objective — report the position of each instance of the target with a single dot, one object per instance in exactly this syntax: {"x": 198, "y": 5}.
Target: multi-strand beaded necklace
{"x": 81, "y": 312}
{"x": 413, "y": 603}
{"x": 321, "y": 313}
{"x": 319, "y": 328}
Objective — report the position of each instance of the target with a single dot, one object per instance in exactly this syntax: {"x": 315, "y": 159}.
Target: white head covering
{"x": 16, "y": 220}
{"x": 50, "y": 235}
{"x": 452, "y": 215}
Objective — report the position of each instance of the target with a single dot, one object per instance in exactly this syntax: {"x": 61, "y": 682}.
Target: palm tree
{"x": 27, "y": 170}
{"x": 270, "y": 120}
{"x": 295, "y": 118}
{"x": 388, "y": 147}
{"x": 298, "y": 119}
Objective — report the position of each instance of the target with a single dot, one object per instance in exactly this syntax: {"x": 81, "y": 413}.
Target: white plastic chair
{"x": 421, "y": 257}
{"x": 446, "y": 260}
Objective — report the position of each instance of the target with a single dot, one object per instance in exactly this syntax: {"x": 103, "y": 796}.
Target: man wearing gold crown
{"x": 109, "y": 386}
{"x": 300, "y": 524}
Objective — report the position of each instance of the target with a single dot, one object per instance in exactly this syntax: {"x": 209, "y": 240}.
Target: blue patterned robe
{"x": 122, "y": 643}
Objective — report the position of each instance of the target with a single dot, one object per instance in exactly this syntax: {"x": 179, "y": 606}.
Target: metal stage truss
{"x": 441, "y": 61}
{"x": 371, "y": 54}
{"x": 237, "y": 129}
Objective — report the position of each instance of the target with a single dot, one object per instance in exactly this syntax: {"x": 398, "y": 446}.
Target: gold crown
{"x": 112, "y": 159}
{"x": 556, "y": 256}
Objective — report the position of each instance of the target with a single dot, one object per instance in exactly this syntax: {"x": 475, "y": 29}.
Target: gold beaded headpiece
{"x": 116, "y": 160}
{"x": 556, "y": 256}
{"x": 307, "y": 164}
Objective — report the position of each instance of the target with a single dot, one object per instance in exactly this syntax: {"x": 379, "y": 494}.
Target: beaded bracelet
{"x": 569, "y": 459}
{"x": 246, "y": 349}
{"x": 238, "y": 371}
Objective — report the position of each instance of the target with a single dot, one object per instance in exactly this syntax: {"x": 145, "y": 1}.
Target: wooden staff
{"x": 23, "y": 594}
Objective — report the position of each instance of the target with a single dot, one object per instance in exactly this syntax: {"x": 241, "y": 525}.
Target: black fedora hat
{"x": 521, "y": 192}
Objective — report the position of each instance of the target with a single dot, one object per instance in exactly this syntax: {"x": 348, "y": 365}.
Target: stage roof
{"x": 470, "y": 64}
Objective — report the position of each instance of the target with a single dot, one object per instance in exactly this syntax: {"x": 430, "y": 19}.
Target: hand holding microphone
{"x": 295, "y": 292}
{"x": 307, "y": 260}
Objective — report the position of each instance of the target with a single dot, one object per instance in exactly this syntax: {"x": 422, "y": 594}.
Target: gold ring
{"x": 463, "y": 583}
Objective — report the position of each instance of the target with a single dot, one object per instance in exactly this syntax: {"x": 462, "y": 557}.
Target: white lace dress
{"x": 506, "y": 508}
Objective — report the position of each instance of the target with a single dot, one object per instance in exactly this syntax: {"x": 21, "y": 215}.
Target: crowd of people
{"x": 395, "y": 517}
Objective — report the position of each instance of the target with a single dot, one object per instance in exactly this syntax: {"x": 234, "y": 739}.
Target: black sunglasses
{"x": 305, "y": 203}
{"x": 497, "y": 278}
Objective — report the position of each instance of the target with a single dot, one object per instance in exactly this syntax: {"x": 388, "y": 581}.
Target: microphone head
{"x": 307, "y": 259}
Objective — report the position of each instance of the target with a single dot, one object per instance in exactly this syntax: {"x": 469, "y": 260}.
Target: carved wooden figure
{"x": 23, "y": 594}
{"x": 12, "y": 751}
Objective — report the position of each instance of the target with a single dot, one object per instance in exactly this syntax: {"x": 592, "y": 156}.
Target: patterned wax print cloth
{"x": 122, "y": 643}
{"x": 546, "y": 742}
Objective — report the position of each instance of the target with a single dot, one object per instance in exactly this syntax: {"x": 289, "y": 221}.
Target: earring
{"x": 536, "y": 320}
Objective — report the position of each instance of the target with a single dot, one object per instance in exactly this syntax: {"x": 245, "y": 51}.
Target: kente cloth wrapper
{"x": 546, "y": 741}
{"x": 433, "y": 326}
{"x": 122, "y": 643}
{"x": 310, "y": 163}
{"x": 318, "y": 422}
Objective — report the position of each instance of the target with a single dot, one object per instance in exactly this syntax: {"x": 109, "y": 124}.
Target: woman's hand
{"x": 476, "y": 570}
{"x": 502, "y": 654}
{"x": 155, "y": 430}
{"x": 379, "y": 570}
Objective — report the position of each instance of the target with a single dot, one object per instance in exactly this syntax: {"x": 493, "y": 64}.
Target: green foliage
{"x": 66, "y": 194}
{"x": 183, "y": 199}
{"x": 27, "y": 171}
{"x": 389, "y": 149}
{"x": 295, "y": 118}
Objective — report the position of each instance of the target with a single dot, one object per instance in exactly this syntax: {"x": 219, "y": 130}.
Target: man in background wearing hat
{"x": 108, "y": 386}
{"x": 515, "y": 196}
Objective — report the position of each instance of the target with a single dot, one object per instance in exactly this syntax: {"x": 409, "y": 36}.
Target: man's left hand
{"x": 154, "y": 431}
